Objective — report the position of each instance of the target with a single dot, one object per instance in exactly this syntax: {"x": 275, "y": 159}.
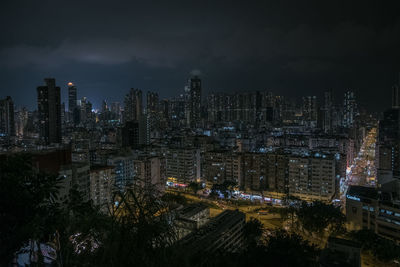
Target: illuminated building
{"x": 222, "y": 165}
{"x": 312, "y": 177}
{"x": 102, "y": 180}
{"x": 349, "y": 109}
{"x": 72, "y": 101}
{"x": 366, "y": 208}
{"x": 123, "y": 169}
{"x": 183, "y": 164}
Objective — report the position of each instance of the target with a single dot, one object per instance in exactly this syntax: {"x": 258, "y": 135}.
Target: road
{"x": 362, "y": 171}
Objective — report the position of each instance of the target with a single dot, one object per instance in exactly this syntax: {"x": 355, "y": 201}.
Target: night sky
{"x": 293, "y": 48}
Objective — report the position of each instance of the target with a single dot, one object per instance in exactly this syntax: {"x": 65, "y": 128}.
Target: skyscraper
{"x": 115, "y": 111}
{"x": 104, "y": 106}
{"x": 72, "y": 99}
{"x": 49, "y": 109}
{"x": 152, "y": 102}
{"x": 115, "y": 108}
{"x": 133, "y": 105}
{"x": 152, "y": 117}
{"x": 310, "y": 111}
{"x": 21, "y": 120}
{"x": 195, "y": 100}
{"x": 7, "y": 126}
{"x": 349, "y": 109}
{"x": 327, "y": 111}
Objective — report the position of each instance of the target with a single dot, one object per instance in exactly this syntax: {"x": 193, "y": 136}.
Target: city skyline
{"x": 290, "y": 48}
{"x": 181, "y": 133}
{"x": 338, "y": 95}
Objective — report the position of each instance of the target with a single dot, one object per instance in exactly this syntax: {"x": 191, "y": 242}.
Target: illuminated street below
{"x": 362, "y": 171}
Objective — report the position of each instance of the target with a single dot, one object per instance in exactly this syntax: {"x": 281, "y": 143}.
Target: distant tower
{"x": 195, "y": 100}
{"x": 104, "y": 106}
{"x": 152, "y": 102}
{"x": 115, "y": 108}
{"x": 349, "y": 109}
{"x": 72, "y": 97}
{"x": 133, "y": 105}
{"x": 310, "y": 108}
{"x": 49, "y": 109}
{"x": 7, "y": 125}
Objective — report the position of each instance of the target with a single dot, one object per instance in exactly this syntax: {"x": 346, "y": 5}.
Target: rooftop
{"x": 191, "y": 210}
{"x": 206, "y": 236}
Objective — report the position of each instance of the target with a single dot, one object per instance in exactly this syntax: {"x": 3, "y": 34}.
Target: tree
{"x": 226, "y": 188}
{"x": 28, "y": 204}
{"x": 252, "y": 232}
{"x": 216, "y": 189}
{"x": 174, "y": 198}
{"x": 289, "y": 249}
{"x": 229, "y": 186}
{"x": 382, "y": 248}
{"x": 194, "y": 186}
{"x": 318, "y": 217}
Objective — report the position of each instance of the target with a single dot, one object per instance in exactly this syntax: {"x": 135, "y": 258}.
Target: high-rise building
{"x": 102, "y": 180}
{"x": 49, "y": 109}
{"x": 152, "y": 116}
{"x": 149, "y": 173}
{"x": 21, "y": 120}
{"x": 312, "y": 177}
{"x": 133, "y": 105}
{"x": 104, "y": 106}
{"x": 349, "y": 109}
{"x": 387, "y": 159}
{"x": 327, "y": 112}
{"x": 85, "y": 110}
{"x": 62, "y": 113}
{"x": 220, "y": 166}
{"x": 116, "y": 110}
{"x": 277, "y": 172}
{"x": 310, "y": 110}
{"x": 152, "y": 102}
{"x": 7, "y": 125}
{"x": 72, "y": 100}
{"x": 182, "y": 164}
{"x": 195, "y": 100}
{"x": 254, "y": 171}
{"x": 123, "y": 169}
{"x": 131, "y": 134}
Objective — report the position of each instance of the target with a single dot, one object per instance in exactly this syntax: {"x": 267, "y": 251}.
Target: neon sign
{"x": 353, "y": 198}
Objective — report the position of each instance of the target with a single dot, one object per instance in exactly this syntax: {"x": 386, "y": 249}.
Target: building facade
{"x": 49, "y": 109}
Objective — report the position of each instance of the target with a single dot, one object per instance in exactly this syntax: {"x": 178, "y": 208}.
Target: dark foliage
{"x": 382, "y": 248}
{"x": 136, "y": 232}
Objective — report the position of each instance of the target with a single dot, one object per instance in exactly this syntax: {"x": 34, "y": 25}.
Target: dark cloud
{"x": 290, "y": 47}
